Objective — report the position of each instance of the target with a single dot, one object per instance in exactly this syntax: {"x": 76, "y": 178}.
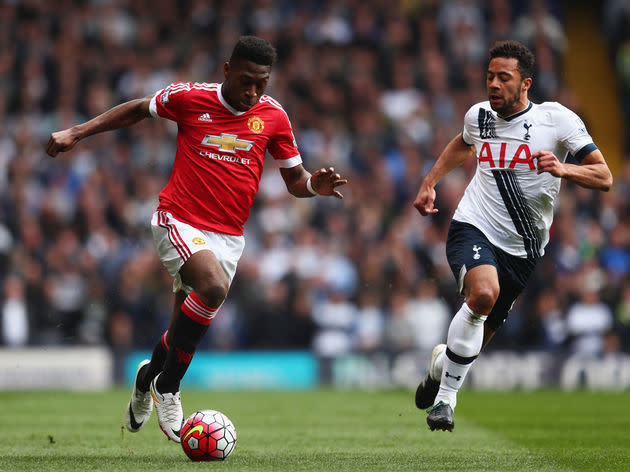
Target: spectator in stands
{"x": 428, "y": 316}
{"x": 370, "y": 323}
{"x": 553, "y": 329}
{"x": 589, "y": 320}
{"x": 14, "y": 322}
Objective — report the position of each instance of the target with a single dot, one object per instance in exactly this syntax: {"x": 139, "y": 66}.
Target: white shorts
{"x": 176, "y": 242}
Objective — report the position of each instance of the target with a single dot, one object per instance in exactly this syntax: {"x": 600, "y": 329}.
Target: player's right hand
{"x": 61, "y": 141}
{"x": 424, "y": 201}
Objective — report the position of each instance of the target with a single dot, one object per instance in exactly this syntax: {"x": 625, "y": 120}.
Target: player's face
{"x": 507, "y": 91}
{"x": 245, "y": 82}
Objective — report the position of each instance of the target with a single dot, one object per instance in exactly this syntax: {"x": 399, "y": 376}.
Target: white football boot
{"x": 140, "y": 405}
{"x": 169, "y": 411}
{"x": 429, "y": 387}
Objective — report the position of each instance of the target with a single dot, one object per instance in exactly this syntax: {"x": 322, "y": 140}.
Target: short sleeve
{"x": 572, "y": 134}
{"x": 169, "y": 102}
{"x": 282, "y": 146}
{"x": 468, "y": 128}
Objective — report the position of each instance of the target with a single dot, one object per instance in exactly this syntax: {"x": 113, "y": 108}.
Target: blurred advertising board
{"x": 64, "y": 368}
{"x": 243, "y": 370}
{"x": 92, "y": 368}
{"x": 499, "y": 370}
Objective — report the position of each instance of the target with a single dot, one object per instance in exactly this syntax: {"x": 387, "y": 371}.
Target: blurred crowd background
{"x": 375, "y": 88}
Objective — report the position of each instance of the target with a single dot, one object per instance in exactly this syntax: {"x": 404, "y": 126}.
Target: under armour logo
{"x": 476, "y": 249}
{"x": 526, "y": 125}
{"x": 456, "y": 377}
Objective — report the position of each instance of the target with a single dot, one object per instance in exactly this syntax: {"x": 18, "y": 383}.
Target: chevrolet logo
{"x": 227, "y": 142}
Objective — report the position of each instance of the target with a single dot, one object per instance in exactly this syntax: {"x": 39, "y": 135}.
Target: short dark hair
{"x": 516, "y": 50}
{"x": 252, "y": 48}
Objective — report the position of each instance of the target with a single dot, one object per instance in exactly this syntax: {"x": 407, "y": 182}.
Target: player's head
{"x": 509, "y": 76}
{"x": 247, "y": 72}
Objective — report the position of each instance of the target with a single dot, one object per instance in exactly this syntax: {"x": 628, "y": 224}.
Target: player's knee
{"x": 212, "y": 291}
{"x": 481, "y": 300}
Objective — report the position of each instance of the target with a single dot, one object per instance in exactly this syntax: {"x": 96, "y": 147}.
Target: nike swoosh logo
{"x": 176, "y": 433}
{"x": 132, "y": 420}
{"x": 189, "y": 433}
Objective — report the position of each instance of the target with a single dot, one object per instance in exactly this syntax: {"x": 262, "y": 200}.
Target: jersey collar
{"x": 230, "y": 108}
{"x": 519, "y": 113}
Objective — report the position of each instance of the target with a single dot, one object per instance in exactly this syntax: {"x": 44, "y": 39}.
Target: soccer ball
{"x": 208, "y": 435}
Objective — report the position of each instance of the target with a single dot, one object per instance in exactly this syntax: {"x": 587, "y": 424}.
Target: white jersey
{"x": 506, "y": 199}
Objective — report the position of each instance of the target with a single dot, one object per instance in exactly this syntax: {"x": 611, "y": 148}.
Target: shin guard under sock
{"x": 190, "y": 327}
{"x": 464, "y": 342}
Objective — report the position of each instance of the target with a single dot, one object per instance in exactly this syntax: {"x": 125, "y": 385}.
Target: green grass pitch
{"x": 325, "y": 430}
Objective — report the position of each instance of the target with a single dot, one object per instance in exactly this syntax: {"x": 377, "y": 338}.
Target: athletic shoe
{"x": 428, "y": 388}
{"x": 169, "y": 411}
{"x": 441, "y": 417}
{"x": 140, "y": 405}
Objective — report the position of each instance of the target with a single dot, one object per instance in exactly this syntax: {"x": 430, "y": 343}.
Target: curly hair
{"x": 516, "y": 50}
{"x": 254, "y": 49}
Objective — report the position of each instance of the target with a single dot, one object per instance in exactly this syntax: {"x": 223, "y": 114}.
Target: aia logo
{"x": 198, "y": 241}
{"x": 497, "y": 158}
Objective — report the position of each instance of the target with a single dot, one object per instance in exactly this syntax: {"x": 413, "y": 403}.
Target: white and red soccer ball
{"x": 208, "y": 435}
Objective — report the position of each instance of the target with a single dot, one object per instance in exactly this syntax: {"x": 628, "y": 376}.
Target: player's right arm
{"x": 120, "y": 116}
{"x": 453, "y": 156}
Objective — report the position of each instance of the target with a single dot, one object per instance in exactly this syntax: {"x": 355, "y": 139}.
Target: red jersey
{"x": 220, "y": 153}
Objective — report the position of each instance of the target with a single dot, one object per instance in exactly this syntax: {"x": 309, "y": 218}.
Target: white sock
{"x": 464, "y": 341}
{"x": 438, "y": 365}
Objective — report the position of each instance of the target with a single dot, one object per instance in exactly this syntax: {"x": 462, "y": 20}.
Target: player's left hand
{"x": 325, "y": 181}
{"x": 547, "y": 162}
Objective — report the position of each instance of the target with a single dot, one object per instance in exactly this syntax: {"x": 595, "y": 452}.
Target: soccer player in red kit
{"x": 224, "y": 132}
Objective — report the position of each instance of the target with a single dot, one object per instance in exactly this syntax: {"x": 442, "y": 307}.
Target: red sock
{"x": 198, "y": 310}
{"x": 156, "y": 365}
{"x": 190, "y": 327}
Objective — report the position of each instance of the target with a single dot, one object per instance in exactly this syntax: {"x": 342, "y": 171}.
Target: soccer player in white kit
{"x": 501, "y": 225}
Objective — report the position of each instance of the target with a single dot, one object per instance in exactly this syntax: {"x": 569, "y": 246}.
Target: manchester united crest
{"x": 198, "y": 241}
{"x": 256, "y": 125}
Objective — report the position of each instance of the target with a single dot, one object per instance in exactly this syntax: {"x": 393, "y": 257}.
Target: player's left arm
{"x": 593, "y": 172}
{"x": 302, "y": 183}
